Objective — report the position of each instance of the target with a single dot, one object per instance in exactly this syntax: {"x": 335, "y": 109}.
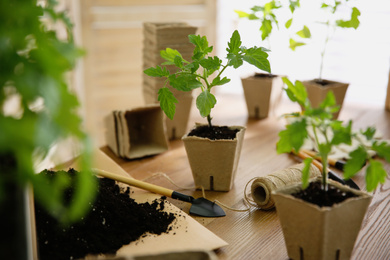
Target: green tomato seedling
{"x": 198, "y": 73}
{"x": 334, "y": 132}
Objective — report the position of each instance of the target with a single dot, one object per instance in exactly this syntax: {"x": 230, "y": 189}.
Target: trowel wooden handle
{"x": 133, "y": 182}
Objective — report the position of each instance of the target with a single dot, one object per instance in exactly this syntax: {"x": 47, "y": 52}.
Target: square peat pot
{"x": 137, "y": 132}
{"x": 317, "y": 92}
{"x": 311, "y": 232}
{"x": 214, "y": 162}
{"x": 257, "y": 91}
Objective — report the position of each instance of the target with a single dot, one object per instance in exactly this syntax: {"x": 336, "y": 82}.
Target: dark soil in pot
{"x": 214, "y": 132}
{"x": 264, "y": 75}
{"x": 322, "y": 82}
{"x": 114, "y": 220}
{"x": 316, "y": 195}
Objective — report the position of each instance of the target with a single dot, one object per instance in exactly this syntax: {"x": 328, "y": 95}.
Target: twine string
{"x": 261, "y": 187}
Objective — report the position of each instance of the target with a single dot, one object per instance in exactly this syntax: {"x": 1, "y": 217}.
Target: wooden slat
{"x": 387, "y": 104}
{"x": 112, "y": 34}
{"x": 146, "y": 2}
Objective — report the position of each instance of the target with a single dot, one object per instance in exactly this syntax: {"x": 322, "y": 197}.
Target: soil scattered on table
{"x": 214, "y": 132}
{"x": 114, "y": 220}
{"x": 316, "y": 195}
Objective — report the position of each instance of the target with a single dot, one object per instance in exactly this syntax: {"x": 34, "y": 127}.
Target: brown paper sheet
{"x": 187, "y": 234}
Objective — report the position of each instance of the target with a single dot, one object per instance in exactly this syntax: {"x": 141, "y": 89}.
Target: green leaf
{"x": 253, "y": 17}
{"x": 375, "y": 174}
{"x": 205, "y": 102}
{"x": 241, "y": 14}
{"x": 217, "y": 81}
{"x": 294, "y": 44}
{"x": 167, "y": 102}
{"x": 178, "y": 61}
{"x": 304, "y": 33}
{"x": 192, "y": 67}
{"x": 293, "y": 137}
{"x": 324, "y": 149}
{"x": 211, "y": 63}
{"x": 257, "y": 57}
{"x": 297, "y": 92}
{"x": 265, "y": 28}
{"x": 288, "y": 23}
{"x": 353, "y": 22}
{"x": 257, "y": 8}
{"x": 293, "y": 5}
{"x": 329, "y": 100}
{"x": 355, "y": 163}
{"x": 382, "y": 149}
{"x": 306, "y": 172}
{"x": 234, "y": 60}
{"x": 202, "y": 47}
{"x": 170, "y": 55}
{"x": 369, "y": 133}
{"x": 341, "y": 134}
{"x": 157, "y": 72}
{"x": 184, "y": 82}
{"x": 234, "y": 44}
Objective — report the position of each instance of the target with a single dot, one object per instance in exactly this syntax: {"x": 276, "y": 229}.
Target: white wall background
{"x": 360, "y": 57}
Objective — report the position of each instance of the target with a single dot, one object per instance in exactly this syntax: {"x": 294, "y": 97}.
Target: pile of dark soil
{"x": 316, "y": 195}
{"x": 114, "y": 220}
{"x": 214, "y": 132}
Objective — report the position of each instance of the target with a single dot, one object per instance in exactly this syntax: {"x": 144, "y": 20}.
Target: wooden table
{"x": 257, "y": 234}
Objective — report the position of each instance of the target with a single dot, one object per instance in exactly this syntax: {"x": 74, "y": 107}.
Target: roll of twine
{"x": 262, "y": 187}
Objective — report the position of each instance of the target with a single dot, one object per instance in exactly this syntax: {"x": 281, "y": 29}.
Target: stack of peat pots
{"x": 157, "y": 37}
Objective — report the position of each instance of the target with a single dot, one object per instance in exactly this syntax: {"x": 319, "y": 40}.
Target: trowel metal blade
{"x": 205, "y": 208}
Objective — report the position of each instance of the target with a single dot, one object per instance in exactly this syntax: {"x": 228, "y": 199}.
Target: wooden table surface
{"x": 257, "y": 234}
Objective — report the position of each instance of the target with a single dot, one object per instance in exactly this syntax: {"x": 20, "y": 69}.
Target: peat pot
{"x": 317, "y": 92}
{"x": 214, "y": 162}
{"x": 137, "y": 132}
{"x": 257, "y": 91}
{"x": 311, "y": 232}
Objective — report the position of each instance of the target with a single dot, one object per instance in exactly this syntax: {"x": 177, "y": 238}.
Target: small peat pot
{"x": 214, "y": 160}
{"x": 257, "y": 91}
{"x": 137, "y": 132}
{"x": 318, "y": 89}
{"x": 314, "y": 232}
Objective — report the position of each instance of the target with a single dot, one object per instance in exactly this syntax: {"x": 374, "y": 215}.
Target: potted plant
{"x": 318, "y": 88}
{"x": 37, "y": 112}
{"x": 213, "y": 161}
{"x": 258, "y": 87}
{"x": 326, "y": 225}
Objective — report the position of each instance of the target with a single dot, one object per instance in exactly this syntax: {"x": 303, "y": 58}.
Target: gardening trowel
{"x": 200, "y": 206}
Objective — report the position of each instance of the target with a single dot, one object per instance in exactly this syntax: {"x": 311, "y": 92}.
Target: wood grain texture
{"x": 257, "y": 234}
